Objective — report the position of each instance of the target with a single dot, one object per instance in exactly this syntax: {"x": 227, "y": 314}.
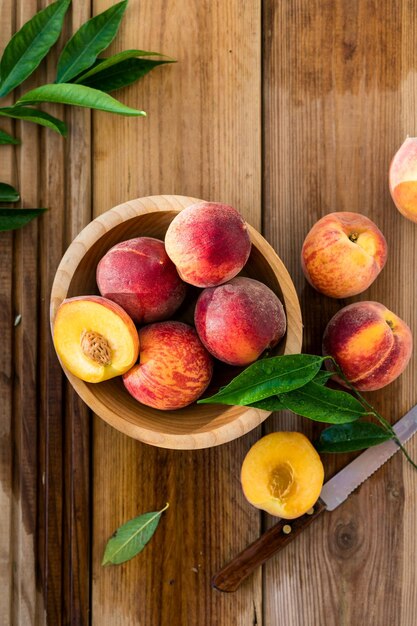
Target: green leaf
{"x": 11, "y": 219}
{"x": 91, "y": 38}
{"x": 8, "y": 193}
{"x": 77, "y": 95}
{"x": 268, "y": 377}
{"x": 351, "y": 437}
{"x": 30, "y": 114}
{"x": 322, "y": 404}
{"x": 104, "y": 64}
{"x": 111, "y": 74}
{"x": 131, "y": 538}
{"x": 5, "y": 138}
{"x": 30, "y": 45}
{"x": 322, "y": 377}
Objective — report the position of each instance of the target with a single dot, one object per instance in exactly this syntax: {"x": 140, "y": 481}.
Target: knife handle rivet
{"x": 286, "y": 529}
{"x": 310, "y": 511}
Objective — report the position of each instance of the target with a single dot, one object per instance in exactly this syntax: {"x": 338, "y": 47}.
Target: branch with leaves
{"x": 82, "y": 79}
{"x": 297, "y": 383}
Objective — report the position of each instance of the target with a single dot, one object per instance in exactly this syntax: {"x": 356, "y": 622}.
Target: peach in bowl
{"x": 192, "y": 426}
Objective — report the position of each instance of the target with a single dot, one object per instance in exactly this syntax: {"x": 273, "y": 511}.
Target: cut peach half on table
{"x": 282, "y": 474}
{"x": 95, "y": 338}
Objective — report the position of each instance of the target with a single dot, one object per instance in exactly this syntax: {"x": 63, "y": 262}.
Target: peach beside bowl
{"x": 196, "y": 426}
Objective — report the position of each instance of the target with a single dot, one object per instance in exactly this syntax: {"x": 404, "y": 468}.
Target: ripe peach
{"x": 174, "y": 367}
{"x": 138, "y": 275}
{"x": 95, "y": 338}
{"x": 237, "y": 321}
{"x": 371, "y": 345}
{"x": 343, "y": 254}
{"x": 282, "y": 474}
{"x": 209, "y": 243}
{"x": 403, "y": 179}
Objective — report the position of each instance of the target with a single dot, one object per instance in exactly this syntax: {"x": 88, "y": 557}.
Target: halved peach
{"x": 95, "y": 338}
{"x": 282, "y": 474}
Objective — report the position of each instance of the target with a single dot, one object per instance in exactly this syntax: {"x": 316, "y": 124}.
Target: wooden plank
{"x": 6, "y": 372}
{"x": 201, "y": 138}
{"x": 339, "y": 98}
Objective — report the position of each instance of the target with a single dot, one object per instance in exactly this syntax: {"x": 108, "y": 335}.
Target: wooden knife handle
{"x": 234, "y": 573}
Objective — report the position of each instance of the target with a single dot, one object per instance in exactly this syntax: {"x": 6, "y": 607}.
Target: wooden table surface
{"x": 286, "y": 110}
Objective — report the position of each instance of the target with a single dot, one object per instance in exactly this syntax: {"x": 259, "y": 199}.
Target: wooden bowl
{"x": 196, "y": 426}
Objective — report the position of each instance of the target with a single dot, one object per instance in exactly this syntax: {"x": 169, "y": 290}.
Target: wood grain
{"x": 330, "y": 92}
{"x": 339, "y": 97}
{"x": 201, "y": 138}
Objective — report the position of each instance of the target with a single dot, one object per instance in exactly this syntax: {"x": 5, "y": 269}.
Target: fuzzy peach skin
{"x": 138, "y": 275}
{"x": 95, "y": 338}
{"x": 403, "y": 179}
{"x": 370, "y": 344}
{"x": 209, "y": 243}
{"x": 174, "y": 367}
{"x": 237, "y": 321}
{"x": 343, "y": 254}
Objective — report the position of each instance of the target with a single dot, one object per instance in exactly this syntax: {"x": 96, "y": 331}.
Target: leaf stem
{"x": 373, "y": 412}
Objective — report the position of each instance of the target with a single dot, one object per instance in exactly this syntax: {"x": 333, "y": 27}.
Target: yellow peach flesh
{"x": 86, "y": 328}
{"x": 282, "y": 474}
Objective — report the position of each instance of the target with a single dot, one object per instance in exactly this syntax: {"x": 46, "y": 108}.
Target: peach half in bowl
{"x": 197, "y": 425}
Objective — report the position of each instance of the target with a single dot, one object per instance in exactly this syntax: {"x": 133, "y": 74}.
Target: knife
{"x": 333, "y": 493}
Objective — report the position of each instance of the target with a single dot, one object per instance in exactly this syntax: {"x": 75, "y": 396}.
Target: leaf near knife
{"x": 351, "y": 437}
{"x": 131, "y": 537}
{"x": 268, "y": 377}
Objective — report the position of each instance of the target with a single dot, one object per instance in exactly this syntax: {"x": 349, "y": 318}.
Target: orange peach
{"x": 403, "y": 179}
{"x": 282, "y": 474}
{"x": 343, "y": 254}
{"x": 95, "y": 338}
{"x": 237, "y": 321}
{"x": 209, "y": 243}
{"x": 371, "y": 344}
{"x": 138, "y": 275}
{"x": 174, "y": 367}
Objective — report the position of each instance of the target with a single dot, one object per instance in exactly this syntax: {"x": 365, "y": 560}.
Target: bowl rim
{"x": 248, "y": 418}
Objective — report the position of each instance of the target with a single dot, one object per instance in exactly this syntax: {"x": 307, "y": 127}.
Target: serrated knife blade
{"x": 338, "y": 488}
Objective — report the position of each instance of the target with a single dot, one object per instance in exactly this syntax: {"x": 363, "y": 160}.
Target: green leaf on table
{"x": 322, "y": 377}
{"x": 77, "y": 95}
{"x": 11, "y": 219}
{"x": 322, "y": 404}
{"x": 105, "y": 63}
{"x": 30, "y": 45}
{"x": 30, "y": 114}
{"x": 268, "y": 377}
{"x": 5, "y": 138}
{"x": 131, "y": 538}
{"x": 119, "y": 74}
{"x": 351, "y": 437}
{"x": 8, "y": 193}
{"x": 91, "y": 38}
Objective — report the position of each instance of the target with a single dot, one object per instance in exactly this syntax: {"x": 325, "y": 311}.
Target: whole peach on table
{"x": 209, "y": 243}
{"x": 95, "y": 338}
{"x": 282, "y": 474}
{"x": 140, "y": 277}
{"x": 403, "y": 179}
{"x": 238, "y": 320}
{"x": 343, "y": 254}
{"x": 371, "y": 344}
{"x": 174, "y": 368}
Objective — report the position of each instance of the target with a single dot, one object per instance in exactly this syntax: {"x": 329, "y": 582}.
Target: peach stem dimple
{"x": 281, "y": 481}
{"x": 354, "y": 237}
{"x": 96, "y": 347}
